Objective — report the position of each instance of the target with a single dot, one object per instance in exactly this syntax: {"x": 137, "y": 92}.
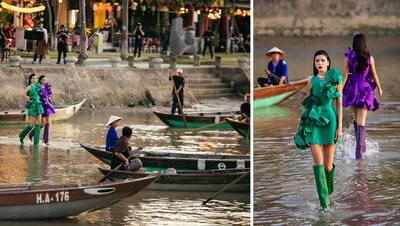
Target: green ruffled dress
{"x": 318, "y": 122}
{"x": 34, "y": 105}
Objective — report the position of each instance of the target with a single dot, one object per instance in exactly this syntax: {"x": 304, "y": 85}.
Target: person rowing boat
{"x": 123, "y": 152}
{"x": 277, "y": 69}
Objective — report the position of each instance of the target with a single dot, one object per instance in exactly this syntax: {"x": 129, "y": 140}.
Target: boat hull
{"x": 242, "y": 128}
{"x": 200, "y": 181}
{"x": 194, "y": 120}
{"x": 20, "y": 117}
{"x": 271, "y": 95}
{"x": 59, "y": 201}
{"x": 184, "y": 162}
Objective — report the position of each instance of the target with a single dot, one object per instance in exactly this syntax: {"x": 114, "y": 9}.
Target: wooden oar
{"x": 119, "y": 166}
{"x": 179, "y": 103}
{"x": 226, "y": 187}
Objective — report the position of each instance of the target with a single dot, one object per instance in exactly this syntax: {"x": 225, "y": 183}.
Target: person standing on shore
{"x": 35, "y": 109}
{"x": 139, "y": 36}
{"x": 321, "y": 123}
{"x": 360, "y": 79}
{"x": 2, "y": 42}
{"x": 277, "y": 69}
{"x": 62, "y": 46}
{"x": 208, "y": 39}
{"x": 41, "y": 45}
{"x": 48, "y": 108}
{"x": 177, "y": 91}
{"x": 112, "y": 133}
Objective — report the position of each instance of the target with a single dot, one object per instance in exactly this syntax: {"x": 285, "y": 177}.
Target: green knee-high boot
{"x": 330, "y": 179}
{"x": 23, "y": 133}
{"x": 322, "y": 187}
{"x": 36, "y": 137}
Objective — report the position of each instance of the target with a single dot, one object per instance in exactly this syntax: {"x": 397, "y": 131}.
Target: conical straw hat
{"x": 112, "y": 119}
{"x": 275, "y": 50}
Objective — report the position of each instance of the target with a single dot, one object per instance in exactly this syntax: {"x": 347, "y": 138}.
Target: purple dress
{"x": 359, "y": 88}
{"x": 45, "y": 93}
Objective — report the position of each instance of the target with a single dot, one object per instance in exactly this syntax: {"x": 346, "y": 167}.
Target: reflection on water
{"x": 63, "y": 161}
{"x": 367, "y": 192}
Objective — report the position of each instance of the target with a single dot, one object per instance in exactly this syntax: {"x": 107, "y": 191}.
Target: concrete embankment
{"x": 320, "y": 17}
{"x": 104, "y": 86}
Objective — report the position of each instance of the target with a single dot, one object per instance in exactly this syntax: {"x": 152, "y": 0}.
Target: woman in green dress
{"x": 321, "y": 122}
{"x": 35, "y": 109}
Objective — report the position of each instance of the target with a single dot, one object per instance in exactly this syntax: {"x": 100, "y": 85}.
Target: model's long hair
{"x": 361, "y": 49}
{"x": 40, "y": 78}
{"x": 320, "y": 52}
{"x": 28, "y": 82}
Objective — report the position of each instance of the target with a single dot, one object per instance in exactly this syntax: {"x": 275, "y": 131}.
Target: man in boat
{"x": 277, "y": 70}
{"x": 177, "y": 90}
{"x": 112, "y": 133}
{"x": 122, "y": 152}
{"x": 245, "y": 109}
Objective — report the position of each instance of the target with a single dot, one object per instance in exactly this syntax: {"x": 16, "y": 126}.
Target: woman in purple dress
{"x": 360, "y": 79}
{"x": 48, "y": 108}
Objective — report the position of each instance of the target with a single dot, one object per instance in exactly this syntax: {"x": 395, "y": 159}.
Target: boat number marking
{"x": 221, "y": 166}
{"x": 61, "y": 196}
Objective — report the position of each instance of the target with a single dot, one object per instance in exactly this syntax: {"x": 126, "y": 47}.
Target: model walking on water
{"x": 321, "y": 123}
{"x": 360, "y": 79}
{"x": 35, "y": 109}
{"x": 48, "y": 109}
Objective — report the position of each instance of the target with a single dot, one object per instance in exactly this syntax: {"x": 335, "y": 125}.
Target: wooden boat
{"x": 192, "y": 180}
{"x": 197, "y": 120}
{"x": 271, "y": 95}
{"x": 243, "y": 128}
{"x": 58, "y": 201}
{"x": 62, "y": 113}
{"x": 179, "y": 161}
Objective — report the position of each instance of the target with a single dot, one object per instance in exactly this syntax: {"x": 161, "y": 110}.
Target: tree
{"x": 83, "y": 38}
{"x": 56, "y": 6}
{"x": 50, "y": 19}
{"x": 124, "y": 37}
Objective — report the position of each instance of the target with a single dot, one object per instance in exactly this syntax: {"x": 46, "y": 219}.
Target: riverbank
{"x": 106, "y": 86}
{"x": 321, "y": 18}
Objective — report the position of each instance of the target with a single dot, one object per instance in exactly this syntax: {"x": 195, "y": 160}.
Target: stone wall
{"x": 321, "y": 17}
{"x": 101, "y": 86}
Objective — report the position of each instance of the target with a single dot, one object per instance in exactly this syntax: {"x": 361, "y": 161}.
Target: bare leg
{"x": 361, "y": 116}
{"x": 329, "y": 152}
{"x": 32, "y": 121}
{"x": 316, "y": 150}
{"x": 354, "y": 109}
{"x": 44, "y": 121}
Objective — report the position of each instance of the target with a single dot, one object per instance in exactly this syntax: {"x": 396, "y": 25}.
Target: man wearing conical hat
{"x": 277, "y": 71}
{"x": 112, "y": 133}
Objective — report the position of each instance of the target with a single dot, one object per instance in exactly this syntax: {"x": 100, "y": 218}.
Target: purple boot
{"x": 46, "y": 133}
{"x": 360, "y": 136}
{"x": 355, "y": 128}
{"x": 31, "y": 133}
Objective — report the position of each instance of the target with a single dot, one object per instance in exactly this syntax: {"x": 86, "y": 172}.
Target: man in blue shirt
{"x": 112, "y": 133}
{"x": 277, "y": 72}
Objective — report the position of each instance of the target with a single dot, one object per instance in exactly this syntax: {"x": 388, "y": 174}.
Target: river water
{"x": 63, "y": 162}
{"x": 367, "y": 191}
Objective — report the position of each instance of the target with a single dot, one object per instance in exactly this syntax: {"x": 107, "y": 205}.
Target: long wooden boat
{"x": 21, "y": 202}
{"x": 192, "y": 180}
{"x": 271, "y": 95}
{"x": 243, "y": 128}
{"x": 197, "y": 120}
{"x": 179, "y": 161}
{"x": 62, "y": 113}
